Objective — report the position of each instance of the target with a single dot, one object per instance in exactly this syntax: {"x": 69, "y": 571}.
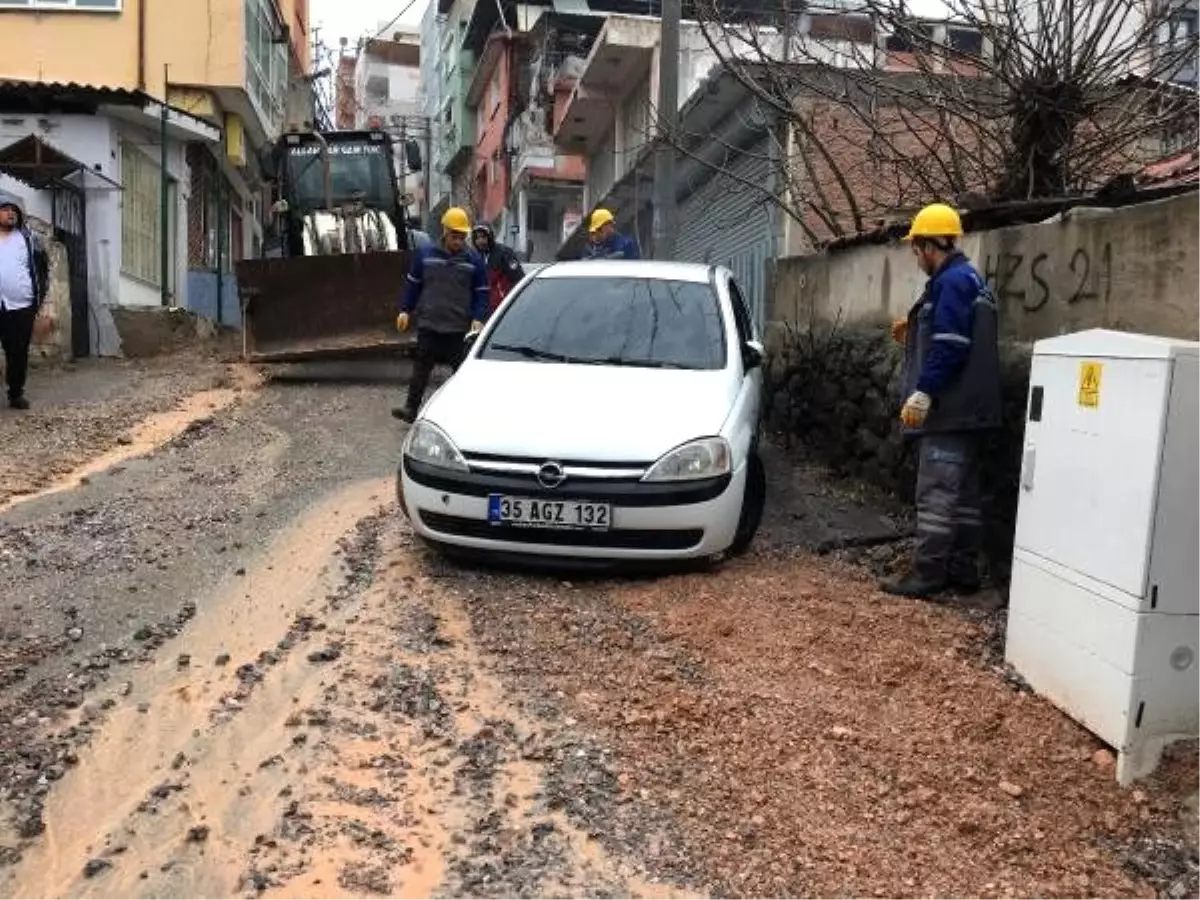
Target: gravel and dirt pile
{"x": 809, "y": 736}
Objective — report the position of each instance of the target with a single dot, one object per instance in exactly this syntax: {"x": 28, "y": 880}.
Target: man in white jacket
{"x": 24, "y": 277}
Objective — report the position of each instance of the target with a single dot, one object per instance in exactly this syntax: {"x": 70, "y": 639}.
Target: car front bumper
{"x": 649, "y": 522}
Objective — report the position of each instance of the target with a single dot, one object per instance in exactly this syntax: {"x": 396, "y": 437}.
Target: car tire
{"x": 400, "y": 495}
{"x": 754, "y": 500}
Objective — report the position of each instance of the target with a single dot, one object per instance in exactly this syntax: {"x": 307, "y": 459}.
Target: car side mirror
{"x": 753, "y": 354}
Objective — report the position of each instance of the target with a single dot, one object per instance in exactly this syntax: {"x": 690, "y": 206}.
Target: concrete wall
{"x": 203, "y": 43}
{"x": 491, "y": 174}
{"x": 296, "y": 13}
{"x": 97, "y": 142}
{"x": 632, "y": 125}
{"x": 833, "y": 380}
{"x": 203, "y": 299}
{"x": 543, "y": 245}
{"x": 1131, "y": 269}
{"x": 52, "y": 336}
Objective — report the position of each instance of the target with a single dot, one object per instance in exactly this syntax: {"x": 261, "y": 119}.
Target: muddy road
{"x": 229, "y": 671}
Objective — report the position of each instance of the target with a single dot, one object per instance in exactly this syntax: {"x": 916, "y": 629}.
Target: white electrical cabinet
{"x": 1105, "y": 594}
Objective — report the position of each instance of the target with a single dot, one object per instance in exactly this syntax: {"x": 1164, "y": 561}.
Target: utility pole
{"x": 164, "y": 200}
{"x": 404, "y": 165}
{"x": 777, "y": 143}
{"x": 666, "y": 214}
{"x": 428, "y": 217}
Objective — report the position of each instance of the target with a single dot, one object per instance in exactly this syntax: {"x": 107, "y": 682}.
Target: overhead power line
{"x": 388, "y": 27}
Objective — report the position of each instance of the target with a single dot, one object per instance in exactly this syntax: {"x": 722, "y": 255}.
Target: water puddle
{"x": 148, "y": 435}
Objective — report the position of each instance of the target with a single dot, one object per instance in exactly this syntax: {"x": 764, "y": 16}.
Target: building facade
{"x": 387, "y": 79}
{"x": 345, "y": 92}
{"x": 521, "y": 183}
{"x": 387, "y": 92}
{"x": 457, "y": 120}
{"x": 429, "y": 97}
{"x": 163, "y": 130}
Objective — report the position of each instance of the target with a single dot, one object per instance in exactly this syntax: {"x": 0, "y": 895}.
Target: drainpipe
{"x": 141, "y": 40}
{"x": 163, "y": 200}
{"x": 222, "y": 225}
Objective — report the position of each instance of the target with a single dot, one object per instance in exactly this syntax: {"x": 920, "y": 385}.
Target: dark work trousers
{"x": 16, "y": 333}
{"x": 433, "y": 348}
{"x": 949, "y": 513}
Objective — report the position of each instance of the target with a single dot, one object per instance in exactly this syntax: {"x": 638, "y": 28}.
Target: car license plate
{"x": 564, "y": 514}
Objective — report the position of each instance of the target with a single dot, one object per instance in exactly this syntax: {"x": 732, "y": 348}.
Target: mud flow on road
{"x": 229, "y": 671}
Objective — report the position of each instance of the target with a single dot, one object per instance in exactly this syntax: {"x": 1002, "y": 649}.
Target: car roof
{"x": 698, "y": 273}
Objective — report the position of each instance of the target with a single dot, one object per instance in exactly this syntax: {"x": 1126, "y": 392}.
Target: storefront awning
{"x": 36, "y": 163}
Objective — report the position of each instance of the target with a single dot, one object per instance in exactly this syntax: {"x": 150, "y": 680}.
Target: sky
{"x": 355, "y": 18}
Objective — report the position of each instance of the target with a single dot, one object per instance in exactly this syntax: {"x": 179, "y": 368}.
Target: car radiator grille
{"x": 617, "y": 539}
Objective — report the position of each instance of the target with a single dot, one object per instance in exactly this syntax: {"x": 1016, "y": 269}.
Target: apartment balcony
{"x": 266, "y": 69}
{"x": 620, "y": 59}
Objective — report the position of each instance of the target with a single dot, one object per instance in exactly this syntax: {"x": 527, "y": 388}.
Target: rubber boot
{"x": 915, "y": 585}
{"x": 965, "y": 584}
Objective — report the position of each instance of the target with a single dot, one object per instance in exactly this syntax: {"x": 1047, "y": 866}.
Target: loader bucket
{"x": 321, "y": 307}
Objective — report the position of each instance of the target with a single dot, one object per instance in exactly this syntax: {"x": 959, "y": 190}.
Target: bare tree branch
{"x": 1003, "y": 99}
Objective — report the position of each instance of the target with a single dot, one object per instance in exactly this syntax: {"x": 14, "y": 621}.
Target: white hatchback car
{"x": 609, "y": 411}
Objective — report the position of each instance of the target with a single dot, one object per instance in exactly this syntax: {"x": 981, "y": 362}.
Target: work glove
{"x": 402, "y": 322}
{"x": 900, "y": 331}
{"x": 476, "y": 326}
{"x": 916, "y": 409}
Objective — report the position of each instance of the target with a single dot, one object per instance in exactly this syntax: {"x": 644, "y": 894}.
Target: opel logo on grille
{"x": 551, "y": 475}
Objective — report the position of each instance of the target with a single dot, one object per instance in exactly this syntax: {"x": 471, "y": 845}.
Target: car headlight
{"x": 705, "y": 458}
{"x": 428, "y": 444}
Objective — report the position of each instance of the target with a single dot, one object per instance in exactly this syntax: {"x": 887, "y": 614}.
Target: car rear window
{"x": 648, "y": 322}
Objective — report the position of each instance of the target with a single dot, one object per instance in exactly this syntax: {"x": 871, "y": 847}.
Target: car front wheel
{"x": 753, "y": 501}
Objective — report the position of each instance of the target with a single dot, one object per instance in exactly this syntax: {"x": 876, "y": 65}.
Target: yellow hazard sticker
{"x": 1089, "y": 384}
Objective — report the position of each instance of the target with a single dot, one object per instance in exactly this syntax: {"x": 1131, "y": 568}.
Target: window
{"x": 741, "y": 315}
{"x": 494, "y": 94}
{"x": 909, "y": 38}
{"x": 213, "y": 214}
{"x": 539, "y": 217}
{"x": 644, "y": 322}
{"x": 69, "y": 5}
{"x": 841, "y": 27}
{"x": 141, "y": 235}
{"x": 1182, "y": 27}
{"x": 967, "y": 41}
{"x": 266, "y": 64}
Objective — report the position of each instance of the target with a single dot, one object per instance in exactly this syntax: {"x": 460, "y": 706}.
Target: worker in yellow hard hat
{"x": 605, "y": 242}
{"x": 951, "y": 379}
{"x": 448, "y": 291}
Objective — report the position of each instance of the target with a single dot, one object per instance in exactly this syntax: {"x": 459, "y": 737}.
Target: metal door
{"x": 70, "y": 229}
{"x": 723, "y": 222}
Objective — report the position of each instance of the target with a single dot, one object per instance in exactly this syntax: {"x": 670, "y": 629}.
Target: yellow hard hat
{"x": 935, "y": 220}
{"x": 600, "y": 218}
{"x": 456, "y": 219}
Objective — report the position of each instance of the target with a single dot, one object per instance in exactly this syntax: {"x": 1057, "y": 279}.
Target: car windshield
{"x": 641, "y": 322}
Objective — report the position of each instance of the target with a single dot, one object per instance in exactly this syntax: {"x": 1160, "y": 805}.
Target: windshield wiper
{"x": 530, "y": 352}
{"x": 633, "y": 363}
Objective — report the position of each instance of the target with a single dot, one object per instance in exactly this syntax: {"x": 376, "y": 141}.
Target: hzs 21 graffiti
{"x": 1018, "y": 278}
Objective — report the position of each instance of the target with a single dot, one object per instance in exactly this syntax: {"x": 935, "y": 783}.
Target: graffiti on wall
{"x": 1031, "y": 281}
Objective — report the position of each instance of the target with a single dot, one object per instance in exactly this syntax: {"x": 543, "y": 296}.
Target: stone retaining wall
{"x": 835, "y": 390}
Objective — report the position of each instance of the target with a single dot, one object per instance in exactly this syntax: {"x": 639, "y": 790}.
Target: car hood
{"x": 579, "y": 413}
